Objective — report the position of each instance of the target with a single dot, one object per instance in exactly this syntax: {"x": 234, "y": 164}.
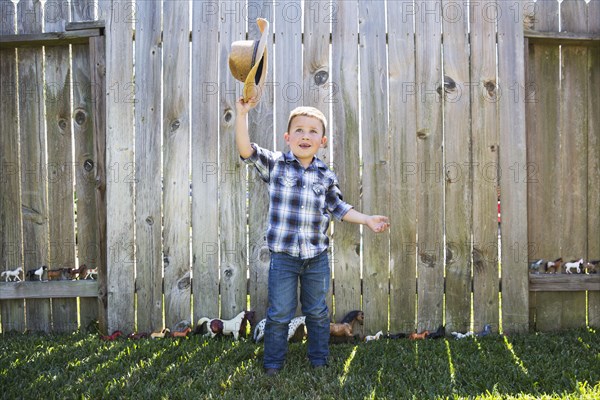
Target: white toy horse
{"x": 13, "y": 275}
{"x": 574, "y": 265}
{"x": 226, "y": 327}
{"x": 295, "y": 323}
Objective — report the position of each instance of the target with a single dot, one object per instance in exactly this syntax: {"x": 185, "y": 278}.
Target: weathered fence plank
{"x": 232, "y": 174}
{"x": 513, "y": 178}
{"x": 375, "y": 160}
{"x": 33, "y": 159}
{"x": 11, "y": 229}
{"x": 98, "y": 89}
{"x": 176, "y": 152}
{"x": 287, "y": 65}
{"x": 260, "y": 126}
{"x": 593, "y": 219}
{"x": 88, "y": 246}
{"x": 148, "y": 168}
{"x": 120, "y": 166}
{"x": 344, "y": 136}
{"x": 205, "y": 160}
{"x": 544, "y": 215}
{"x": 484, "y": 98}
{"x": 573, "y": 176}
{"x": 403, "y": 166}
{"x": 430, "y": 206}
{"x": 457, "y": 171}
{"x": 60, "y": 178}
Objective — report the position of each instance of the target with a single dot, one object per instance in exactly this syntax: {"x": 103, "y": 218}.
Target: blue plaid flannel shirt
{"x": 301, "y": 202}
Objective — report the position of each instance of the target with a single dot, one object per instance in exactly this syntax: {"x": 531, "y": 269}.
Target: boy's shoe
{"x": 319, "y": 366}
{"x": 271, "y": 371}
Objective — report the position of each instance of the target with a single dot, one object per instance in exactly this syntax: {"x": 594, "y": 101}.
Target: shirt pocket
{"x": 319, "y": 191}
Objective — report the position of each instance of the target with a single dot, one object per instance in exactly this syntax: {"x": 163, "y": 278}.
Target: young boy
{"x": 303, "y": 196}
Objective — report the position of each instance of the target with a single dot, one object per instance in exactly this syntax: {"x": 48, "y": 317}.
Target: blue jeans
{"x": 314, "y": 274}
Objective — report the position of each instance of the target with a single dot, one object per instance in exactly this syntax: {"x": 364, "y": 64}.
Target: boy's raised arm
{"x": 242, "y": 138}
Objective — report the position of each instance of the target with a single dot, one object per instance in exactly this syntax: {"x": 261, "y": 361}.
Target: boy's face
{"x": 305, "y": 138}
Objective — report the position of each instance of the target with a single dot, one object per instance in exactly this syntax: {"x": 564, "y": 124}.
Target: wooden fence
{"x": 435, "y": 107}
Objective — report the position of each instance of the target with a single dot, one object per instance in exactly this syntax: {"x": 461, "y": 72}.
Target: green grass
{"x": 80, "y": 366}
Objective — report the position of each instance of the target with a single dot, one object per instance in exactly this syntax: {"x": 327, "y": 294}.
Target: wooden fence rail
{"x": 117, "y": 151}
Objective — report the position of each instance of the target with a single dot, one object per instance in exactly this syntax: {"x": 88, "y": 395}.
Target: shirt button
{"x": 304, "y": 187}
{"x": 302, "y": 207}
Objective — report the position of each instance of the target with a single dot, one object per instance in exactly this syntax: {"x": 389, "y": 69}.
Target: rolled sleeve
{"x": 261, "y": 159}
{"x": 335, "y": 203}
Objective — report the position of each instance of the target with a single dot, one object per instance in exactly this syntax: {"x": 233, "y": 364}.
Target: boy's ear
{"x": 324, "y": 141}
{"x": 286, "y": 137}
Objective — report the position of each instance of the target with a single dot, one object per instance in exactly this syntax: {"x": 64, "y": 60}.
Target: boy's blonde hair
{"x": 306, "y": 111}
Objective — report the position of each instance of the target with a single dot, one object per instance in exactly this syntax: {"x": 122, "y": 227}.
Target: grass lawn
{"x": 80, "y": 366}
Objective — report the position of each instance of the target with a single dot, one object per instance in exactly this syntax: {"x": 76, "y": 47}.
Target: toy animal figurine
{"x": 137, "y": 336}
{"x": 575, "y": 264}
{"x": 458, "y": 335}
{"x": 32, "y": 273}
{"x": 230, "y": 327}
{"x": 399, "y": 335}
{"x": 487, "y": 330}
{"x": 344, "y": 330}
{"x": 591, "y": 267}
{"x": 112, "y": 337}
{"x": 295, "y": 323}
{"x": 90, "y": 272}
{"x": 418, "y": 336}
{"x": 535, "y": 266}
{"x": 552, "y": 267}
{"x": 12, "y": 275}
{"x": 159, "y": 335}
{"x": 181, "y": 334}
{"x": 78, "y": 272}
{"x": 440, "y": 333}
{"x": 54, "y": 274}
{"x": 377, "y": 336}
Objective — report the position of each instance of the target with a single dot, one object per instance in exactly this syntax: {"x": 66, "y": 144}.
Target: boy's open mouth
{"x": 304, "y": 145}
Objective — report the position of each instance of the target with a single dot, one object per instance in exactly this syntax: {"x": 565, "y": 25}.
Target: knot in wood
{"x": 228, "y": 272}
{"x": 422, "y": 134}
{"x": 62, "y": 124}
{"x": 228, "y": 116}
{"x": 427, "y": 259}
{"x": 80, "y": 117}
{"x": 321, "y": 77}
{"x": 88, "y": 165}
{"x": 490, "y": 86}
{"x": 449, "y": 85}
{"x": 264, "y": 254}
{"x": 150, "y": 220}
{"x": 175, "y": 125}
{"x": 477, "y": 259}
{"x": 184, "y": 283}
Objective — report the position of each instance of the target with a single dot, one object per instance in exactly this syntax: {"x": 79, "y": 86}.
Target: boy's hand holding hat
{"x": 248, "y": 63}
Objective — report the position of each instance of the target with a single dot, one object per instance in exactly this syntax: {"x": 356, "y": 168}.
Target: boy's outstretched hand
{"x": 378, "y": 223}
{"x": 244, "y": 107}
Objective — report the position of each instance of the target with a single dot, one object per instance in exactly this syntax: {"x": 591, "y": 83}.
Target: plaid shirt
{"x": 302, "y": 202}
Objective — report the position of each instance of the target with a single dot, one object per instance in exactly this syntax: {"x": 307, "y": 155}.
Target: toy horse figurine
{"x": 36, "y": 272}
{"x": 295, "y": 323}
{"x": 378, "y": 335}
{"x": 576, "y": 264}
{"x": 227, "y": 327}
{"x": 13, "y": 275}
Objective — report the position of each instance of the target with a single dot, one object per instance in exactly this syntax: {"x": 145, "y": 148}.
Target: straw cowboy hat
{"x": 248, "y": 62}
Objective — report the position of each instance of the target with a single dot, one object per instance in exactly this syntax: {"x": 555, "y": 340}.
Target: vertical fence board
{"x": 403, "y": 167}
{"x": 148, "y": 195}
{"x": 120, "y": 92}
{"x": 287, "y": 65}
{"x": 11, "y": 229}
{"x": 98, "y": 88}
{"x": 176, "y": 148}
{"x": 485, "y": 138}
{"x": 593, "y": 220}
{"x": 344, "y": 138}
{"x": 457, "y": 145}
{"x": 33, "y": 159}
{"x": 316, "y": 87}
{"x": 430, "y": 204}
{"x": 88, "y": 250}
{"x": 232, "y": 189}
{"x": 260, "y": 126}
{"x": 573, "y": 174}
{"x": 375, "y": 158}
{"x": 513, "y": 168}
{"x": 60, "y": 178}
{"x": 205, "y": 160}
{"x": 544, "y": 212}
